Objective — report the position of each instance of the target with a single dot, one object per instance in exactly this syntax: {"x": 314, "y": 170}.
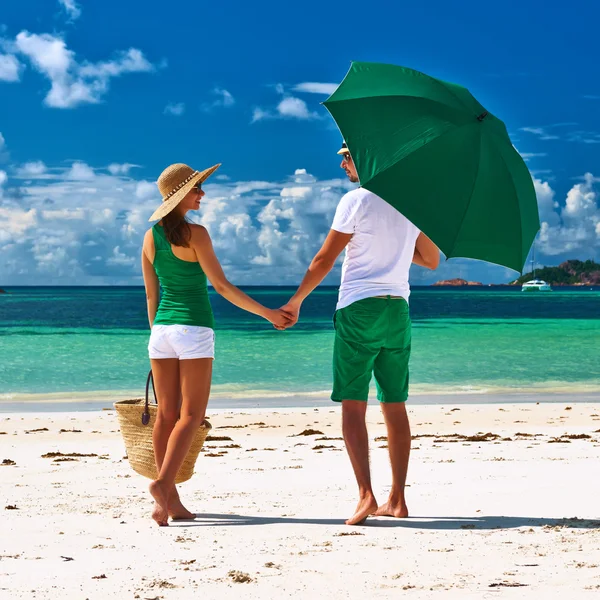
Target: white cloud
{"x": 73, "y": 83}
{"x": 118, "y": 258}
{"x": 534, "y": 130}
{"x": 526, "y": 156}
{"x": 82, "y": 225}
{"x": 547, "y": 132}
{"x": 224, "y": 100}
{"x": 72, "y": 9}
{"x": 227, "y": 98}
{"x": 85, "y": 225}
{"x": 130, "y": 61}
{"x": 120, "y": 169}
{"x": 316, "y": 88}
{"x": 302, "y": 176}
{"x": 288, "y": 108}
{"x": 31, "y": 170}
{"x": 10, "y": 68}
{"x": 3, "y": 180}
{"x": 146, "y": 189}
{"x": 3, "y": 148}
{"x": 77, "y": 214}
{"x": 574, "y": 228}
{"x": 80, "y": 172}
{"x": 584, "y": 137}
{"x": 17, "y": 222}
{"x": 175, "y": 109}
{"x": 295, "y": 108}
{"x": 547, "y": 205}
{"x": 260, "y": 114}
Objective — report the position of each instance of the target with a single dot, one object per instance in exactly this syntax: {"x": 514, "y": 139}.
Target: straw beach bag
{"x": 136, "y": 420}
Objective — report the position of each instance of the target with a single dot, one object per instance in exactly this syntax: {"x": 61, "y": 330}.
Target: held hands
{"x": 281, "y": 320}
{"x": 284, "y": 317}
{"x": 292, "y": 310}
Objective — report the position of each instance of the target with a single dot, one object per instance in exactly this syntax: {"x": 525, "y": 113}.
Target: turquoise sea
{"x": 89, "y": 344}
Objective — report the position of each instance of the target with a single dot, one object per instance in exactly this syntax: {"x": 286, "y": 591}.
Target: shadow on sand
{"x": 442, "y": 523}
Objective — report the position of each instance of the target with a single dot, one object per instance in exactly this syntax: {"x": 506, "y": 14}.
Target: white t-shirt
{"x": 379, "y": 255}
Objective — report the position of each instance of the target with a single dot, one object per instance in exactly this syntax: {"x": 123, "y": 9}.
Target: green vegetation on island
{"x": 571, "y": 272}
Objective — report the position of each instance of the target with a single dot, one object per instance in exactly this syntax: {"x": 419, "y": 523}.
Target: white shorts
{"x": 184, "y": 342}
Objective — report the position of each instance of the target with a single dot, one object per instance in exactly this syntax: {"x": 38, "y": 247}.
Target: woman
{"x": 178, "y": 257}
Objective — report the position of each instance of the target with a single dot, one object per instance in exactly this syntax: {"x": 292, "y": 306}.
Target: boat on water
{"x": 536, "y": 285}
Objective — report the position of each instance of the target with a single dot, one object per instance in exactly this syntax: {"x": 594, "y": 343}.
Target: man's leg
{"x": 392, "y": 377}
{"x": 354, "y": 428}
{"x": 398, "y": 430}
{"x": 354, "y": 354}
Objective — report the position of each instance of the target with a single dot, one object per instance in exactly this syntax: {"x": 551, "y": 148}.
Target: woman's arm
{"x": 426, "y": 253}
{"x": 150, "y": 282}
{"x": 202, "y": 245}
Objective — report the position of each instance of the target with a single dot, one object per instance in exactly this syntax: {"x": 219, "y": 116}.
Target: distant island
{"x": 571, "y": 272}
{"x": 457, "y": 282}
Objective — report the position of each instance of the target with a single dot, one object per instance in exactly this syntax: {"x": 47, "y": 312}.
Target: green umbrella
{"x": 438, "y": 156}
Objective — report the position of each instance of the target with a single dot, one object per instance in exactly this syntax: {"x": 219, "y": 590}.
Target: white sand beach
{"x": 504, "y": 502}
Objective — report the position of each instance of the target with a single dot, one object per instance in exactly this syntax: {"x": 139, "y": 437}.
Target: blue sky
{"x": 97, "y": 98}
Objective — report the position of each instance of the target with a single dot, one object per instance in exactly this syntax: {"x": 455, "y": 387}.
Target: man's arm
{"x": 426, "y": 253}
{"x": 320, "y": 266}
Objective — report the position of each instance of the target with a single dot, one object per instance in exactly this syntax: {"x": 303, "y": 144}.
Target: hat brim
{"x": 344, "y": 151}
{"x": 168, "y": 205}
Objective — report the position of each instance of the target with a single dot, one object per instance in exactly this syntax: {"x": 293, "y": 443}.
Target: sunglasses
{"x": 346, "y": 157}
{"x": 197, "y": 188}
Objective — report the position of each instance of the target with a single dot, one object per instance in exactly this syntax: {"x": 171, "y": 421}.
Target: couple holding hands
{"x": 372, "y": 327}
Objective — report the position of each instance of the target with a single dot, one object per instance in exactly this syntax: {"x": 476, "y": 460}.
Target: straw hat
{"x": 174, "y": 183}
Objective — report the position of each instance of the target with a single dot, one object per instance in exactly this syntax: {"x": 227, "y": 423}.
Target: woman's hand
{"x": 279, "y": 318}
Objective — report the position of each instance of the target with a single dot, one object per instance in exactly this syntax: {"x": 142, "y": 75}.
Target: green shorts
{"x": 372, "y": 336}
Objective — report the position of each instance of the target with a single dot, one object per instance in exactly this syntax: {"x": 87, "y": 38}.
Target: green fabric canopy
{"x": 438, "y": 156}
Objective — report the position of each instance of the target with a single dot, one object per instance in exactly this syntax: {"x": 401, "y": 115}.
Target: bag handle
{"x": 146, "y": 413}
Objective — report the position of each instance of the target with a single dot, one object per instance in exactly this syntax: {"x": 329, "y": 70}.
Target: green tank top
{"x": 184, "y": 291}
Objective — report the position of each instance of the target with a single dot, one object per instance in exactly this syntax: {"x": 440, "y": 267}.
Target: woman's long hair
{"x": 177, "y": 229}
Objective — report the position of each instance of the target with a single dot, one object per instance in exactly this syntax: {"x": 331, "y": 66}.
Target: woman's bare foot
{"x": 160, "y": 513}
{"x": 366, "y": 506}
{"x": 177, "y": 511}
{"x": 393, "y": 508}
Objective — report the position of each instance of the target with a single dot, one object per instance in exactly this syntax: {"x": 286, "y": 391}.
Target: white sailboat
{"x": 535, "y": 285}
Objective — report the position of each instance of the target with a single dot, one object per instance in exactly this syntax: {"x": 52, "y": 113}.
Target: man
{"x": 372, "y": 324}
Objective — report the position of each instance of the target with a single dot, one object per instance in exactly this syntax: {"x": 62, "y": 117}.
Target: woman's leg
{"x": 195, "y": 379}
{"x": 166, "y": 382}
{"x": 168, "y": 392}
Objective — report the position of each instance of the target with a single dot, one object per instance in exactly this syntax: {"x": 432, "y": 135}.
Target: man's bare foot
{"x": 160, "y": 513}
{"x": 366, "y": 506}
{"x": 397, "y": 509}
